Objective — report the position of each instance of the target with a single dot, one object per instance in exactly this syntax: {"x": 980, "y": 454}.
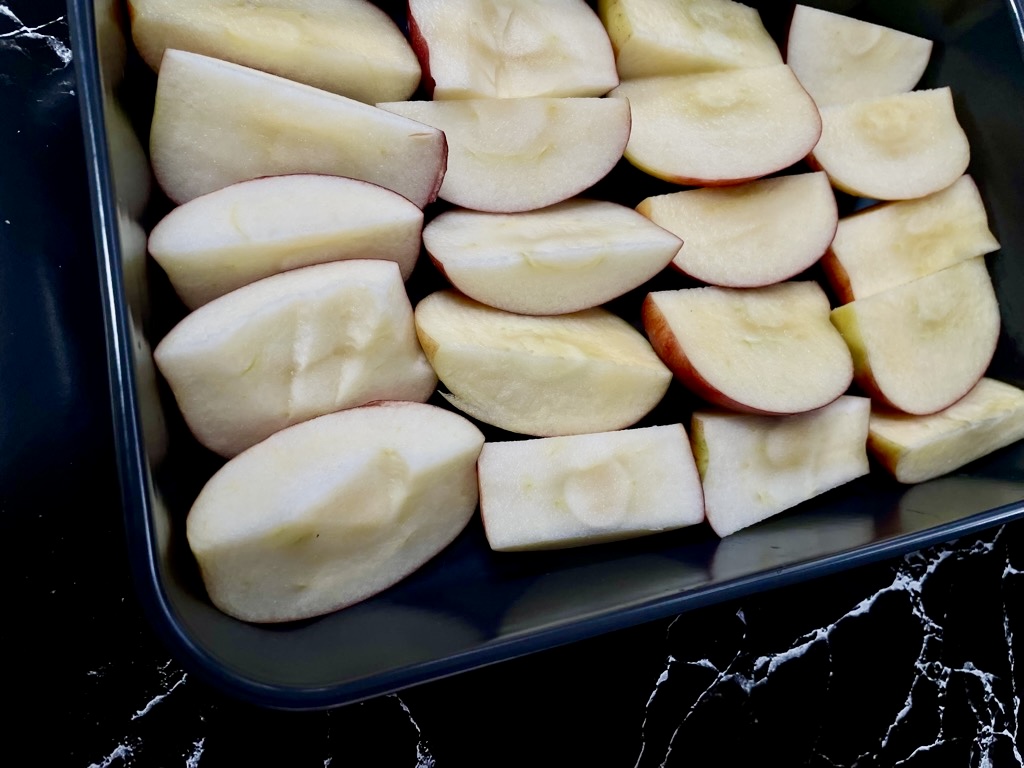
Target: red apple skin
{"x": 422, "y": 51}
{"x": 837, "y": 277}
{"x": 442, "y": 169}
{"x": 668, "y": 348}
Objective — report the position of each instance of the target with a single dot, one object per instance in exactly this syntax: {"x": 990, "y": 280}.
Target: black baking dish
{"x": 469, "y": 606}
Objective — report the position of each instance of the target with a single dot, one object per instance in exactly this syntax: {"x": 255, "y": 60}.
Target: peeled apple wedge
{"x": 588, "y": 371}
{"x": 765, "y": 350}
{"x": 654, "y": 37}
{"x": 217, "y": 123}
{"x": 560, "y": 492}
{"x": 292, "y": 347}
{"x": 918, "y": 448}
{"x": 749, "y": 235}
{"x": 840, "y": 59}
{"x": 754, "y": 467}
{"x": 895, "y": 147}
{"x": 892, "y": 244}
{"x": 922, "y": 346}
{"x": 348, "y": 47}
{"x": 232, "y": 237}
{"x": 570, "y": 256}
{"x": 719, "y": 127}
{"x": 507, "y": 155}
{"x": 329, "y": 512}
{"x": 473, "y": 49}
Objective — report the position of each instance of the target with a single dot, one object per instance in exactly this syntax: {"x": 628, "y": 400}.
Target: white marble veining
{"x": 24, "y": 32}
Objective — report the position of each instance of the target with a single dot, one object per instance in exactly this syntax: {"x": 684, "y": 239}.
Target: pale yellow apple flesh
{"x": 840, "y": 59}
{"x": 918, "y": 448}
{"x": 895, "y": 147}
{"x": 892, "y": 244}
{"x": 570, "y": 256}
{"x": 229, "y": 238}
{"x": 754, "y": 467}
{"x": 507, "y": 155}
{"x": 291, "y": 347}
{"x": 348, "y": 47}
{"x": 654, "y": 37}
{"x": 719, "y": 127}
{"x": 760, "y": 350}
{"x": 752, "y": 234}
{"x": 560, "y": 492}
{"x": 922, "y": 346}
{"x": 588, "y": 371}
{"x": 216, "y": 123}
{"x": 329, "y": 512}
{"x": 473, "y": 49}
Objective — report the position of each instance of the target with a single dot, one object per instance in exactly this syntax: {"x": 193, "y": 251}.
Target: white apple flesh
{"x": 329, "y": 512}
{"x": 564, "y": 258}
{"x": 217, "y": 123}
{"x": 507, "y": 155}
{"x": 754, "y": 467}
{"x": 720, "y": 127}
{"x": 765, "y": 350}
{"x": 475, "y": 49}
{"x": 216, "y": 243}
{"x": 588, "y": 371}
{"x": 922, "y": 346}
{"x": 348, "y": 47}
{"x": 560, "y": 492}
{"x": 292, "y": 347}
{"x": 840, "y": 59}
{"x": 749, "y": 235}
{"x": 892, "y": 244}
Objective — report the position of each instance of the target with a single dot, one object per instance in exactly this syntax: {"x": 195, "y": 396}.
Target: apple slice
{"x": 545, "y": 376}
{"x": 892, "y": 244}
{"x": 895, "y": 147}
{"x": 720, "y": 127}
{"x": 922, "y": 346}
{"x": 232, "y": 237}
{"x": 752, "y": 234}
{"x": 754, "y": 467}
{"x": 216, "y": 123}
{"x": 349, "y": 47}
{"x": 560, "y": 492}
{"x": 764, "y": 350}
{"x": 918, "y": 448}
{"x": 291, "y": 347}
{"x": 474, "y": 49}
{"x": 654, "y": 37}
{"x": 839, "y": 59}
{"x": 508, "y": 155}
{"x": 570, "y": 256}
{"x": 329, "y": 512}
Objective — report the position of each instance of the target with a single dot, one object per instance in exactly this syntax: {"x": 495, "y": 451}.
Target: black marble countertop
{"x": 913, "y": 662}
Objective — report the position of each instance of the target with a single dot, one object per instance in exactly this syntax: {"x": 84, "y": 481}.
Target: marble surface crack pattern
{"x": 12, "y": 38}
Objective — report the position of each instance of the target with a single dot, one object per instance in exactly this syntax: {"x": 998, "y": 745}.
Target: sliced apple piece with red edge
{"x": 217, "y": 123}
{"x": 894, "y": 243}
{"x": 749, "y": 235}
{"x": 894, "y": 147}
{"x": 216, "y": 243}
{"x": 292, "y": 347}
{"x": 329, "y": 512}
{"x": 348, "y": 47}
{"x": 588, "y": 371}
{"x": 918, "y": 448}
{"x": 922, "y": 346}
{"x": 840, "y": 59}
{"x": 507, "y": 155}
{"x": 475, "y": 49}
{"x": 720, "y": 127}
{"x": 564, "y": 258}
{"x": 754, "y": 467}
{"x": 654, "y": 37}
{"x": 559, "y": 492}
{"x": 764, "y": 350}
